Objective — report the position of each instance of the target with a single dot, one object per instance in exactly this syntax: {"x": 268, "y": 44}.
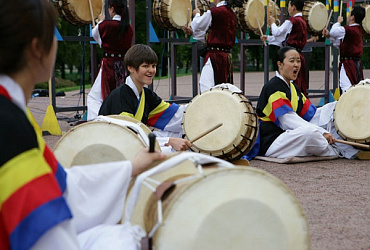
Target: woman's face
{"x": 291, "y": 65}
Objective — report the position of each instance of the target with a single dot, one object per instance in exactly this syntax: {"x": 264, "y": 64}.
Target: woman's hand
{"x": 329, "y": 137}
{"x": 144, "y": 159}
{"x": 179, "y": 144}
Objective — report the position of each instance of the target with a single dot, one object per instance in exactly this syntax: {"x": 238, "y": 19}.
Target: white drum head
{"x": 217, "y": 106}
{"x": 351, "y": 117}
{"x": 97, "y": 142}
{"x": 366, "y": 21}
{"x": 179, "y": 13}
{"x": 237, "y": 208}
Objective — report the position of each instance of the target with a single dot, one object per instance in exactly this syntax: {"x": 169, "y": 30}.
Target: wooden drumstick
{"x": 206, "y": 132}
{"x": 340, "y": 7}
{"x": 327, "y": 23}
{"x": 353, "y": 143}
{"x": 259, "y": 26}
{"x": 92, "y": 14}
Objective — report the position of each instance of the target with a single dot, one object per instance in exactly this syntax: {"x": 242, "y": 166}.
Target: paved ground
{"x": 334, "y": 195}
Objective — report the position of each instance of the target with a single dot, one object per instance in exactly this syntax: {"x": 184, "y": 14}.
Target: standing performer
{"x": 290, "y": 125}
{"x": 216, "y": 28}
{"x": 115, "y": 37}
{"x": 349, "y": 41}
{"x": 134, "y": 100}
{"x": 42, "y": 205}
{"x": 293, "y": 32}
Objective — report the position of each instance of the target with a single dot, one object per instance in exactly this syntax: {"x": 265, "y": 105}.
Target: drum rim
{"x": 247, "y": 132}
{"x": 276, "y": 182}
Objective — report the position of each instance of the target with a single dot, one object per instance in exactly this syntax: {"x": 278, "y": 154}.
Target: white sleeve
{"x": 292, "y": 120}
{"x": 60, "y": 237}
{"x": 337, "y": 34}
{"x": 96, "y": 35}
{"x": 174, "y": 125}
{"x": 96, "y": 193}
{"x": 200, "y": 25}
{"x": 283, "y": 30}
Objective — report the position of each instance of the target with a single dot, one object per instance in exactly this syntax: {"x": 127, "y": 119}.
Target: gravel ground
{"x": 334, "y": 194}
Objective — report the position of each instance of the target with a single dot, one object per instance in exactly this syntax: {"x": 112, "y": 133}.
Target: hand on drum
{"x": 329, "y": 137}
{"x": 179, "y": 144}
{"x": 144, "y": 159}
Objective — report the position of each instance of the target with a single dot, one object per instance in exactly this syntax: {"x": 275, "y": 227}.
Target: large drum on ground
{"x": 366, "y": 22}
{"x": 172, "y": 14}
{"x": 78, "y": 12}
{"x": 351, "y": 117}
{"x": 316, "y": 16}
{"x": 103, "y": 140}
{"x": 220, "y": 105}
{"x": 185, "y": 206}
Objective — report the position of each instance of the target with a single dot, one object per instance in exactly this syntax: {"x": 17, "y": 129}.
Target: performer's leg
{"x": 344, "y": 81}
{"x": 207, "y": 79}
{"x": 94, "y": 99}
{"x": 303, "y": 141}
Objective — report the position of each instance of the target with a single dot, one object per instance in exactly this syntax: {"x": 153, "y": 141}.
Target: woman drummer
{"x": 115, "y": 37}
{"x": 43, "y": 205}
{"x": 290, "y": 125}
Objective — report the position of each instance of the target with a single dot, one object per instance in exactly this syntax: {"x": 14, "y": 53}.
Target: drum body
{"x": 251, "y": 11}
{"x": 203, "y": 6}
{"x": 366, "y": 22}
{"x": 172, "y": 14}
{"x": 237, "y": 208}
{"x": 316, "y": 15}
{"x": 220, "y": 105}
{"x": 78, "y": 12}
{"x": 351, "y": 118}
{"x": 98, "y": 142}
{"x": 247, "y": 16}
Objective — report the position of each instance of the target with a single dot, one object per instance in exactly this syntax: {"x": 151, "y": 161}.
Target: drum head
{"x": 316, "y": 16}
{"x": 216, "y": 106}
{"x": 179, "y": 12}
{"x": 97, "y": 142}
{"x": 252, "y": 11}
{"x": 351, "y": 117}
{"x": 238, "y": 208}
{"x": 78, "y": 12}
{"x": 366, "y": 21}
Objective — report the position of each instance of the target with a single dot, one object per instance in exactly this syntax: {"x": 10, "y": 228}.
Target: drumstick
{"x": 206, "y": 132}
{"x": 340, "y": 7}
{"x": 92, "y": 14}
{"x": 327, "y": 23}
{"x": 259, "y": 26}
{"x": 353, "y": 143}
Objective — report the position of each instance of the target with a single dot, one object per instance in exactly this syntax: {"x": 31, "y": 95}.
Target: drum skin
{"x": 248, "y": 15}
{"x": 172, "y": 14}
{"x": 241, "y": 208}
{"x": 78, "y": 12}
{"x": 315, "y": 15}
{"x": 219, "y": 105}
{"x": 98, "y": 142}
{"x": 351, "y": 117}
{"x": 366, "y": 21}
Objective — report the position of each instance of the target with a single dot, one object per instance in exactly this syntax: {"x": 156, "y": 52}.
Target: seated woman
{"x": 290, "y": 125}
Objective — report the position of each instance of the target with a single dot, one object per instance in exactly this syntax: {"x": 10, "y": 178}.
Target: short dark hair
{"x": 359, "y": 12}
{"x": 20, "y": 22}
{"x": 298, "y": 4}
{"x": 139, "y": 54}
